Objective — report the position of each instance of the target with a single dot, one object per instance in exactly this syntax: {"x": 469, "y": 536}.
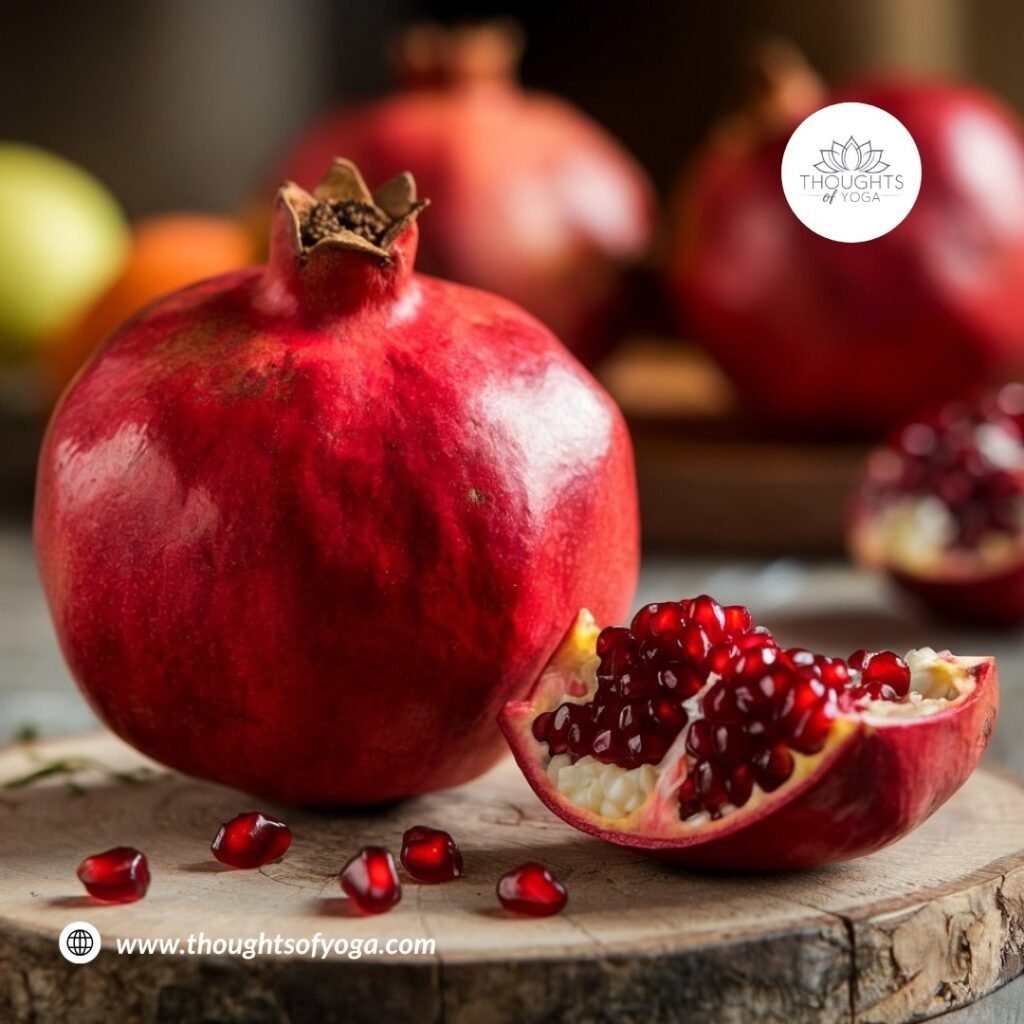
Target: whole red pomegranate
{"x": 940, "y": 508}
{"x": 693, "y": 736}
{"x": 532, "y": 200}
{"x": 849, "y": 338}
{"x": 305, "y": 528}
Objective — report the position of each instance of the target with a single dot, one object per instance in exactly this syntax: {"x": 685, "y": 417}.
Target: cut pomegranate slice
{"x": 941, "y": 509}
{"x": 694, "y": 736}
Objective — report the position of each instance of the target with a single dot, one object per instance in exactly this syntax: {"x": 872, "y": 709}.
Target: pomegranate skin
{"x": 304, "y": 529}
{"x": 532, "y": 200}
{"x": 873, "y": 785}
{"x": 850, "y": 338}
{"x": 995, "y": 600}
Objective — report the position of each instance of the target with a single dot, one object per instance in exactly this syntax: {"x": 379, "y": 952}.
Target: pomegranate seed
{"x": 737, "y": 619}
{"x": 370, "y": 880}
{"x": 773, "y": 766}
{"x": 741, "y": 785}
{"x": 890, "y": 670}
{"x": 120, "y": 875}
{"x": 611, "y": 637}
{"x": 430, "y": 855}
{"x": 531, "y": 889}
{"x": 251, "y": 840}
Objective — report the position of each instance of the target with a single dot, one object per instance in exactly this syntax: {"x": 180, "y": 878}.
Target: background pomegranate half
{"x": 305, "y": 528}
{"x": 941, "y": 509}
{"x": 852, "y": 338}
{"x": 532, "y": 200}
{"x": 692, "y": 736}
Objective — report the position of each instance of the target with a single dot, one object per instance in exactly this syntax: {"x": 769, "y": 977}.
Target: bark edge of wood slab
{"x": 933, "y": 923}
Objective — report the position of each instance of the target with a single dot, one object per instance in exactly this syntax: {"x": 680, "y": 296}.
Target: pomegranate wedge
{"x": 940, "y": 507}
{"x": 691, "y": 735}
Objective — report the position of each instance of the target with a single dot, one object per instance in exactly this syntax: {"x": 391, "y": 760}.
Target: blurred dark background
{"x": 184, "y": 103}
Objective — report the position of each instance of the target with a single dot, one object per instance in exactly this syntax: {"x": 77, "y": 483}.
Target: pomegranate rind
{"x": 877, "y": 778}
{"x": 955, "y": 589}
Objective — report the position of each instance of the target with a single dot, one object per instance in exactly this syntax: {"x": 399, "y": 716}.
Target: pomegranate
{"x": 251, "y": 840}
{"x": 532, "y": 199}
{"x": 532, "y": 890}
{"x": 693, "y": 736}
{"x": 304, "y": 529}
{"x": 430, "y": 855}
{"x": 370, "y": 881}
{"x": 848, "y": 338}
{"x": 941, "y": 508}
{"x": 120, "y": 875}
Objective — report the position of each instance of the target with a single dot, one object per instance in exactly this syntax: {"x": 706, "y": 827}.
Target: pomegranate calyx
{"x": 343, "y": 213}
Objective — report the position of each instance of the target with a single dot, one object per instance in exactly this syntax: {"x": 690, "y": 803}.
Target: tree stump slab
{"x": 932, "y": 924}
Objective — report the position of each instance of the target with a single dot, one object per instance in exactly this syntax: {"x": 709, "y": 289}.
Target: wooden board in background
{"x": 933, "y": 923}
{"x": 706, "y": 483}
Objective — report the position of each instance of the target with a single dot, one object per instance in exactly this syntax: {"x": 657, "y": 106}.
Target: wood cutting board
{"x": 933, "y": 923}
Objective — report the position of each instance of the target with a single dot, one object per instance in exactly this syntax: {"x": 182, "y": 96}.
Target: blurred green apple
{"x": 62, "y": 239}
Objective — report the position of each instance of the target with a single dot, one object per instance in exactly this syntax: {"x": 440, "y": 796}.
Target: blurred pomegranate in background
{"x": 941, "y": 509}
{"x": 849, "y": 339}
{"x": 167, "y": 253}
{"x": 62, "y": 238}
{"x": 531, "y": 199}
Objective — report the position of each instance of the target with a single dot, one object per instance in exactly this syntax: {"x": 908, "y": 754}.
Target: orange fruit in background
{"x": 167, "y": 253}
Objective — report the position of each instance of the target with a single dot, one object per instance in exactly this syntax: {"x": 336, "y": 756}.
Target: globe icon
{"x": 79, "y": 942}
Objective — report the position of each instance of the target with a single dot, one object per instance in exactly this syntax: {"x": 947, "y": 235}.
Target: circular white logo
{"x": 79, "y": 942}
{"x": 851, "y": 172}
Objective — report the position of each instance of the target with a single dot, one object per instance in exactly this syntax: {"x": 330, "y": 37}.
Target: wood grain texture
{"x": 933, "y": 923}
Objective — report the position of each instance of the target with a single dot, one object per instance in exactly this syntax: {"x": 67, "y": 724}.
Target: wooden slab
{"x": 933, "y": 923}
{"x": 711, "y": 482}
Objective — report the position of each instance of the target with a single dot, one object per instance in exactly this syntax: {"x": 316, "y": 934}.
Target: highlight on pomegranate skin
{"x": 532, "y": 890}
{"x": 430, "y": 855}
{"x": 370, "y": 881}
{"x": 694, "y": 735}
{"x": 940, "y": 507}
{"x": 251, "y": 840}
{"x": 119, "y": 875}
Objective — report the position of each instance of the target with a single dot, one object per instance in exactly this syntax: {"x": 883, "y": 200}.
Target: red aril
{"x": 120, "y": 875}
{"x": 430, "y": 855}
{"x": 305, "y": 528}
{"x": 693, "y": 736}
{"x": 940, "y": 507}
{"x": 532, "y": 200}
{"x": 850, "y": 338}
{"x": 251, "y": 840}
{"x": 532, "y": 890}
{"x": 370, "y": 881}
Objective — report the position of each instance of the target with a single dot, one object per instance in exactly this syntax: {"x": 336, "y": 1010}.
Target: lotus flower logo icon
{"x": 851, "y": 156}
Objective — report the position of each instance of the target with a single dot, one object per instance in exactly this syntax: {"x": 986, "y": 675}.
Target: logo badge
{"x": 851, "y": 172}
{"x": 79, "y": 942}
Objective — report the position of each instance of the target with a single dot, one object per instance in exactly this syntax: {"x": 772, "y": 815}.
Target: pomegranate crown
{"x": 343, "y": 213}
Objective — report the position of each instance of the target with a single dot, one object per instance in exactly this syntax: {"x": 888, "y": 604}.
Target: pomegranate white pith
{"x": 861, "y": 790}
